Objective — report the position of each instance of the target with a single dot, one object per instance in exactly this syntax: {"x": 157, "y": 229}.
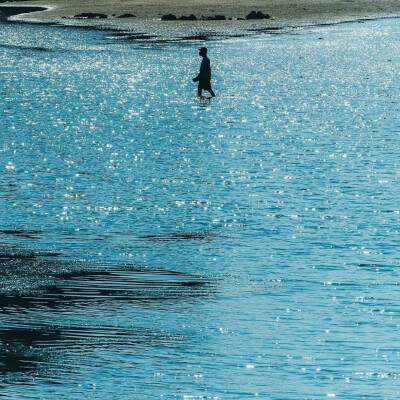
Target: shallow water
{"x": 156, "y": 246}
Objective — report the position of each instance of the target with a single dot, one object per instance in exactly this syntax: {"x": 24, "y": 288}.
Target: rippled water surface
{"x": 154, "y": 245}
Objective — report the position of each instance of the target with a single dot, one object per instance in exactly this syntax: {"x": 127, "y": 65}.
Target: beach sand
{"x": 283, "y": 12}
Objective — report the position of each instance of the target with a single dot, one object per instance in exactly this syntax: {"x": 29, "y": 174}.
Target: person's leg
{"x": 208, "y": 88}
{"x": 199, "y": 89}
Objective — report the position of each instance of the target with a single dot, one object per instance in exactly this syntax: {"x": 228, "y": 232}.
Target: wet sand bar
{"x": 281, "y": 11}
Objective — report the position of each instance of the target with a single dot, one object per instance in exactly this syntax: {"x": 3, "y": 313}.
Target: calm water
{"x": 154, "y": 246}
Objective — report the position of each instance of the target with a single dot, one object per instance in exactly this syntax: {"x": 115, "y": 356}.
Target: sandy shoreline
{"x": 280, "y": 10}
{"x": 148, "y": 14}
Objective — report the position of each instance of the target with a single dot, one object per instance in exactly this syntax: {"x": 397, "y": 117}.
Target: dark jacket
{"x": 205, "y": 71}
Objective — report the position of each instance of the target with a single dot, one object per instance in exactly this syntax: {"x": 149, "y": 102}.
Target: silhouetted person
{"x": 204, "y": 77}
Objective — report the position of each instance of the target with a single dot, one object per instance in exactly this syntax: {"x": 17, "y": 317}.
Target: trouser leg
{"x": 207, "y": 86}
{"x": 199, "y": 90}
{"x": 211, "y": 92}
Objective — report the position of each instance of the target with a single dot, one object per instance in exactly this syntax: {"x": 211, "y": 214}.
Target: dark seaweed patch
{"x": 19, "y": 350}
{"x": 9, "y": 46}
{"x": 127, "y": 37}
{"x": 9, "y": 255}
{"x": 35, "y": 285}
{"x": 201, "y": 37}
{"x": 178, "y": 236}
{"x": 93, "y": 289}
{"x": 35, "y": 350}
{"x": 30, "y": 281}
{"x": 16, "y": 232}
{"x": 269, "y": 29}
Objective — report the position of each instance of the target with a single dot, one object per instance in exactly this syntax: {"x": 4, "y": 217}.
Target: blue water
{"x": 158, "y": 246}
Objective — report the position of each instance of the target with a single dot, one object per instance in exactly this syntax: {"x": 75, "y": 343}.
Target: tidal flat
{"x": 154, "y": 245}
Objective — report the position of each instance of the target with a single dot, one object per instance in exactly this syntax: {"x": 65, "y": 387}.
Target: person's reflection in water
{"x": 204, "y": 77}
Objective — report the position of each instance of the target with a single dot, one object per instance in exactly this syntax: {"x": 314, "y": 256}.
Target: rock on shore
{"x": 257, "y": 15}
{"x": 90, "y": 15}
